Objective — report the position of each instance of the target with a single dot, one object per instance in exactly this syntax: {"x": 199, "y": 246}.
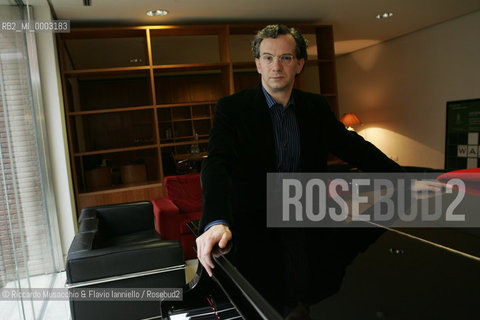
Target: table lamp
{"x": 350, "y": 120}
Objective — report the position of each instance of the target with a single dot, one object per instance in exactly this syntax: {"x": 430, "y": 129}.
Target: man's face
{"x": 278, "y": 76}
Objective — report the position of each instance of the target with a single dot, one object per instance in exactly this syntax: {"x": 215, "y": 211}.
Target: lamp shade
{"x": 350, "y": 120}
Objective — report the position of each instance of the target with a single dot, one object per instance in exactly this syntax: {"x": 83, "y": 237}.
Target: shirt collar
{"x": 271, "y": 102}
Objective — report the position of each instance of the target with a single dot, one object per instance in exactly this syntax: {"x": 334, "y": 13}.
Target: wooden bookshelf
{"x": 140, "y": 96}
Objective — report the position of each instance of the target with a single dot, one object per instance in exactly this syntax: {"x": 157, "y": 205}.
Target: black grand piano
{"x": 401, "y": 274}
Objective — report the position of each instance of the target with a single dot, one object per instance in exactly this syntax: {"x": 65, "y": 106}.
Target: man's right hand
{"x": 218, "y": 234}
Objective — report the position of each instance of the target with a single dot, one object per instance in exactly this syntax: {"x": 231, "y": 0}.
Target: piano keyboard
{"x": 223, "y": 311}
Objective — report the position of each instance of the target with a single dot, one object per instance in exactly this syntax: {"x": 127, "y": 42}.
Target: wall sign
{"x": 462, "y": 135}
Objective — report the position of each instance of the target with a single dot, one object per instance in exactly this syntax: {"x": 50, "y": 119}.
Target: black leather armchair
{"x": 117, "y": 247}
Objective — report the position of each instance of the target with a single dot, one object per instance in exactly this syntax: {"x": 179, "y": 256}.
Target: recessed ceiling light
{"x": 384, "y": 15}
{"x": 157, "y": 12}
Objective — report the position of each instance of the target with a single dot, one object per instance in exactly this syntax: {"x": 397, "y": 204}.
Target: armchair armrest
{"x": 88, "y": 265}
{"x": 166, "y": 218}
{"x": 82, "y": 242}
{"x": 123, "y": 218}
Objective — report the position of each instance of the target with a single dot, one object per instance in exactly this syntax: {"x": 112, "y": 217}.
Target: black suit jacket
{"x": 241, "y": 151}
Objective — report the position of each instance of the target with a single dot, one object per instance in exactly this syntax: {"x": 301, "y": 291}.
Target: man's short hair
{"x": 273, "y": 31}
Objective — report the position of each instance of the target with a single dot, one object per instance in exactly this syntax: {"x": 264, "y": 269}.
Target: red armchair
{"x": 183, "y": 203}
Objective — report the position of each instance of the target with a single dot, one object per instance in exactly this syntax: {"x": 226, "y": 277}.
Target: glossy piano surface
{"x": 410, "y": 274}
{"x": 393, "y": 274}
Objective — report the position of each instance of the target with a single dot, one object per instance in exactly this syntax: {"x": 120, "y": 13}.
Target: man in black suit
{"x": 274, "y": 128}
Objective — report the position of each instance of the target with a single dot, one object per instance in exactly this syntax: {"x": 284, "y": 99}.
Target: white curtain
{"x": 29, "y": 239}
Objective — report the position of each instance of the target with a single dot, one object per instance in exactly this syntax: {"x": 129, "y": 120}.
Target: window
{"x": 29, "y": 241}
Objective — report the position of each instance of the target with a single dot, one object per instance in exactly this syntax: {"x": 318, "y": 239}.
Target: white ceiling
{"x": 354, "y": 22}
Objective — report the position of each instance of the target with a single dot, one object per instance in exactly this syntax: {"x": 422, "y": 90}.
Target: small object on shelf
{"x": 168, "y": 133}
{"x": 195, "y": 149}
{"x": 133, "y": 173}
{"x": 99, "y": 178}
